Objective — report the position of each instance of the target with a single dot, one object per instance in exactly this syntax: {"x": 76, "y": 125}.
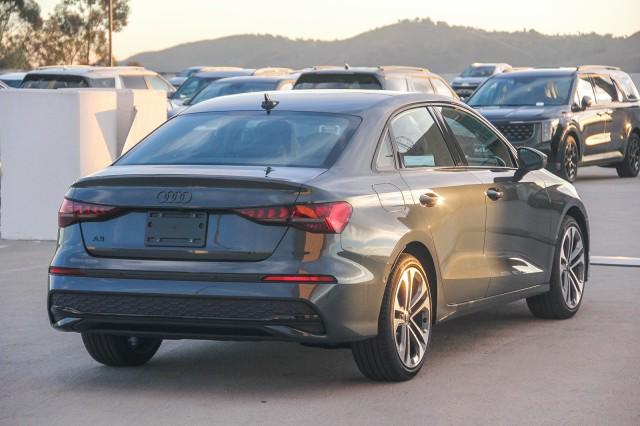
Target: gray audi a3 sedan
{"x": 332, "y": 218}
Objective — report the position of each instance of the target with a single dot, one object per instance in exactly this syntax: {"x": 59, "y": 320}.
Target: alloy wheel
{"x": 570, "y": 159}
{"x": 572, "y": 267}
{"x": 412, "y": 316}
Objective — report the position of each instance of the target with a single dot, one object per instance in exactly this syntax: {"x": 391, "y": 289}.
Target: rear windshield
{"x": 338, "y": 81}
{"x": 224, "y": 88}
{"x": 40, "y": 81}
{"x": 282, "y": 138}
{"x": 481, "y": 71}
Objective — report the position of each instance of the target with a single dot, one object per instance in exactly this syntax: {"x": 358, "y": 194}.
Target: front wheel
{"x": 567, "y": 276}
{"x": 120, "y": 351}
{"x": 630, "y": 166}
{"x": 398, "y": 352}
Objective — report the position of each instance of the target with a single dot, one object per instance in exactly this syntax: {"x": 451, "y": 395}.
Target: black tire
{"x": 569, "y": 159}
{"x": 120, "y": 351}
{"x": 630, "y": 166}
{"x": 553, "y": 305}
{"x": 377, "y": 358}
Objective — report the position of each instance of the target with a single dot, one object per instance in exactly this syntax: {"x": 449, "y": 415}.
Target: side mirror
{"x": 529, "y": 159}
{"x": 586, "y": 102}
{"x": 170, "y": 94}
{"x": 187, "y": 101}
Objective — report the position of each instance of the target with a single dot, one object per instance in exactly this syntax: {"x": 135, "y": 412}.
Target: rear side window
{"x": 419, "y": 140}
{"x": 480, "y": 145}
{"x": 441, "y": 88}
{"x": 606, "y": 91}
{"x": 422, "y": 85}
{"x": 338, "y": 81}
{"x": 103, "y": 82}
{"x": 39, "y": 81}
{"x": 133, "y": 82}
{"x": 282, "y": 138}
{"x": 156, "y": 83}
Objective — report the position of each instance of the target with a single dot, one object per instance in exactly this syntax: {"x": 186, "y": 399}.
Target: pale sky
{"x": 157, "y": 24}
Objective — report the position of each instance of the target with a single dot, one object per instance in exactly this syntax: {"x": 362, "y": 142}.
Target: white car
{"x": 63, "y": 76}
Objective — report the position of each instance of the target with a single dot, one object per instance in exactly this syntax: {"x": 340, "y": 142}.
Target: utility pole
{"x": 110, "y": 31}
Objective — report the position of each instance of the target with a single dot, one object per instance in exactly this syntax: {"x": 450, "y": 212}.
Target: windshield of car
{"x": 482, "y": 71}
{"x": 223, "y": 88}
{"x": 192, "y": 86}
{"x": 41, "y": 81}
{"x": 247, "y": 138}
{"x": 523, "y": 91}
{"x": 338, "y": 81}
{"x": 188, "y": 72}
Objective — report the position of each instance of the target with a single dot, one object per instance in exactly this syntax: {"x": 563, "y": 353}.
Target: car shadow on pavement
{"x": 264, "y": 368}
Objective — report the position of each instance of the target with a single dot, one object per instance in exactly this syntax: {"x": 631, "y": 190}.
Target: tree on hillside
{"x": 77, "y": 32}
{"x": 18, "y": 20}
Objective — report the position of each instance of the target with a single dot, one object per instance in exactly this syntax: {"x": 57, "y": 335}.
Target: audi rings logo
{"x": 174, "y": 197}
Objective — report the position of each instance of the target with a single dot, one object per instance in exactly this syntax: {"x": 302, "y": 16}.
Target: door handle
{"x": 429, "y": 199}
{"x": 494, "y": 193}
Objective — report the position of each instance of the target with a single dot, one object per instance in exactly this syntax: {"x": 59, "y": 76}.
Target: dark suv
{"x": 388, "y": 77}
{"x": 589, "y": 115}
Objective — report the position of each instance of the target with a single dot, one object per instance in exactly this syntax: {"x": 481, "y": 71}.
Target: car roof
{"x": 209, "y": 73}
{"x": 354, "y": 102}
{"x": 13, "y": 76}
{"x": 381, "y": 70}
{"x": 90, "y": 71}
{"x": 258, "y": 79}
{"x": 538, "y": 72}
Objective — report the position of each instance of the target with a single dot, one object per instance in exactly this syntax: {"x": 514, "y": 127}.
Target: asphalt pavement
{"x": 497, "y": 367}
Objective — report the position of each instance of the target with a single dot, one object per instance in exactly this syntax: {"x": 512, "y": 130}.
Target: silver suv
{"x": 387, "y": 77}
{"x": 474, "y": 75}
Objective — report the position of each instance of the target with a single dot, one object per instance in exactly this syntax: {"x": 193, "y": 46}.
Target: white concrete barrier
{"x": 50, "y": 138}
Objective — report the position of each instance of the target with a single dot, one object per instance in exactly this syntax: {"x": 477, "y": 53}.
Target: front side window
{"x": 584, "y": 88}
{"x": 419, "y": 141}
{"x": 192, "y": 86}
{"x": 523, "y": 90}
{"x": 480, "y": 145}
{"x": 247, "y": 138}
{"x": 134, "y": 82}
{"x": 338, "y": 81}
{"x": 606, "y": 91}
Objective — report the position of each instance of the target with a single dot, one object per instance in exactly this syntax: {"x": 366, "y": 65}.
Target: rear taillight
{"x": 326, "y": 218}
{"x": 76, "y": 211}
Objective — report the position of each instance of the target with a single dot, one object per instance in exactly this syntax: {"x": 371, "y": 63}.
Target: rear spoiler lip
{"x": 191, "y": 181}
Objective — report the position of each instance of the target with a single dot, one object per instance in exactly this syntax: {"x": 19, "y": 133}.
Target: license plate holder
{"x": 176, "y": 229}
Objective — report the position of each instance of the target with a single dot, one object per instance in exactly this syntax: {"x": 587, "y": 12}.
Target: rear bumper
{"x": 169, "y": 309}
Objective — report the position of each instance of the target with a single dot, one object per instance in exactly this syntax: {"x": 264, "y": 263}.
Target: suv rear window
{"x": 50, "y": 81}
{"x": 282, "y": 138}
{"x": 338, "y": 81}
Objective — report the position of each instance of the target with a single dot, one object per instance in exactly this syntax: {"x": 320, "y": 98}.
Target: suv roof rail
{"x": 402, "y": 68}
{"x": 518, "y": 69}
{"x": 326, "y": 67}
{"x": 597, "y": 67}
{"x": 273, "y": 71}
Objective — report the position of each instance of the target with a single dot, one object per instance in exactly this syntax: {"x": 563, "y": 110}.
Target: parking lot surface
{"x": 501, "y": 366}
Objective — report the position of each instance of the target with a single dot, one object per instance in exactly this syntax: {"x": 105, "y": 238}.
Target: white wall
{"x": 50, "y": 138}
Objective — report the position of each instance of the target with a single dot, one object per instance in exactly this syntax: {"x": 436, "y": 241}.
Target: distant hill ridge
{"x": 421, "y": 42}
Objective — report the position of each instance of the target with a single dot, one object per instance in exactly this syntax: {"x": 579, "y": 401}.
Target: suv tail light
{"x": 76, "y": 211}
{"x": 326, "y": 218}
